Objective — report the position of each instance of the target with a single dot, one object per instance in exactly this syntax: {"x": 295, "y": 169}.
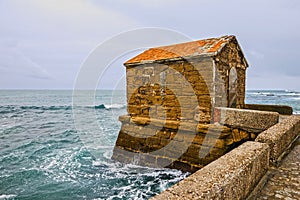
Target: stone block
{"x": 280, "y": 136}
{"x": 198, "y": 139}
{"x": 229, "y": 141}
{"x": 193, "y": 150}
{"x": 233, "y": 176}
{"x": 122, "y": 155}
{"x": 153, "y": 142}
{"x": 124, "y": 118}
{"x": 163, "y": 162}
{"x": 281, "y": 109}
{"x": 183, "y": 166}
{"x": 172, "y": 124}
{"x": 145, "y": 160}
{"x": 248, "y": 120}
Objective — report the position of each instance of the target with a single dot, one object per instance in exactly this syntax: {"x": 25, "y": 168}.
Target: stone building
{"x": 174, "y": 86}
{"x": 211, "y": 71}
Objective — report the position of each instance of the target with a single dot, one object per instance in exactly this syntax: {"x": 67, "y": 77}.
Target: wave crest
{"x": 11, "y": 109}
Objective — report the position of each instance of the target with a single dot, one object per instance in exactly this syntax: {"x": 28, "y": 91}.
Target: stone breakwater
{"x": 204, "y": 142}
{"x": 236, "y": 174}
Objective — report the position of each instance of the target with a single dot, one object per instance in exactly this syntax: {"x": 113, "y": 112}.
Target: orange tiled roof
{"x": 199, "y": 47}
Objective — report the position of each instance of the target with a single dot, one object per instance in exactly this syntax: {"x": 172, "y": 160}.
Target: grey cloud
{"x": 58, "y": 35}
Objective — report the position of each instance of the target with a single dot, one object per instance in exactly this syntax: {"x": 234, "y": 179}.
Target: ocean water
{"x": 43, "y": 156}
{"x": 275, "y": 97}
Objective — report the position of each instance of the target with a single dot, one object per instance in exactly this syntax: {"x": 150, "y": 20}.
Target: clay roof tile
{"x": 199, "y": 47}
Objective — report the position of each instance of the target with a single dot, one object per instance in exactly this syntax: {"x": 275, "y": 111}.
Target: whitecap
{"x": 98, "y": 163}
{"x": 7, "y": 196}
{"x": 114, "y": 106}
{"x": 296, "y": 112}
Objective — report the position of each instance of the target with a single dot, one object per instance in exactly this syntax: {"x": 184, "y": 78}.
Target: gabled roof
{"x": 208, "y": 47}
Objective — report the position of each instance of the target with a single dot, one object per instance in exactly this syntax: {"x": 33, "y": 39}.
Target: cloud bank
{"x": 43, "y": 43}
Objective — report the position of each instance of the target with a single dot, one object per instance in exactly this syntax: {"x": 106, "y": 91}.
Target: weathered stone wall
{"x": 231, "y": 57}
{"x": 233, "y": 176}
{"x": 182, "y": 145}
{"x": 248, "y": 120}
{"x": 171, "y": 90}
{"x": 241, "y": 171}
{"x": 242, "y": 88}
{"x": 281, "y": 109}
{"x": 188, "y": 145}
{"x": 280, "y": 136}
{"x": 181, "y": 89}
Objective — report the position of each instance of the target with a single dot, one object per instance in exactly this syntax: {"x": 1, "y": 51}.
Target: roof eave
{"x": 243, "y": 55}
{"x": 183, "y": 58}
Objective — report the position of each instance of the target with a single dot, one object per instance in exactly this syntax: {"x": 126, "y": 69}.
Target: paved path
{"x": 284, "y": 181}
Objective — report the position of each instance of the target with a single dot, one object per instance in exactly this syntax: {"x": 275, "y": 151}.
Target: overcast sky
{"x": 44, "y": 42}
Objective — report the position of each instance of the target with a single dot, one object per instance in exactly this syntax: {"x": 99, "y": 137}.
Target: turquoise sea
{"x": 43, "y": 156}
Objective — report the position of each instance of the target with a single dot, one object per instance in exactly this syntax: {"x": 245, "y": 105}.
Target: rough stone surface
{"x": 170, "y": 102}
{"x": 187, "y": 146}
{"x": 280, "y": 136}
{"x": 284, "y": 181}
{"x": 249, "y": 120}
{"x": 227, "y": 60}
{"x": 173, "y": 90}
{"x": 186, "y": 88}
{"x": 232, "y": 176}
{"x": 281, "y": 109}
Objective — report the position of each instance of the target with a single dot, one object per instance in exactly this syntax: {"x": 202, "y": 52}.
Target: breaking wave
{"x": 7, "y": 196}
{"x": 112, "y": 106}
{"x": 11, "y": 108}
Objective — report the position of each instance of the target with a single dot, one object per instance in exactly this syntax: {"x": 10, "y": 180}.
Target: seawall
{"x": 237, "y": 174}
{"x": 188, "y": 145}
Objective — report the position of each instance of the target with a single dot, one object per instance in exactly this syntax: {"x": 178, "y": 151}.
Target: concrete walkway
{"x": 284, "y": 181}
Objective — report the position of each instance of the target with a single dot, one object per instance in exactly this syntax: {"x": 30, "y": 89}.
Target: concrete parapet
{"x": 233, "y": 176}
{"x": 280, "y": 136}
{"x": 281, "y": 109}
{"x": 249, "y": 120}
